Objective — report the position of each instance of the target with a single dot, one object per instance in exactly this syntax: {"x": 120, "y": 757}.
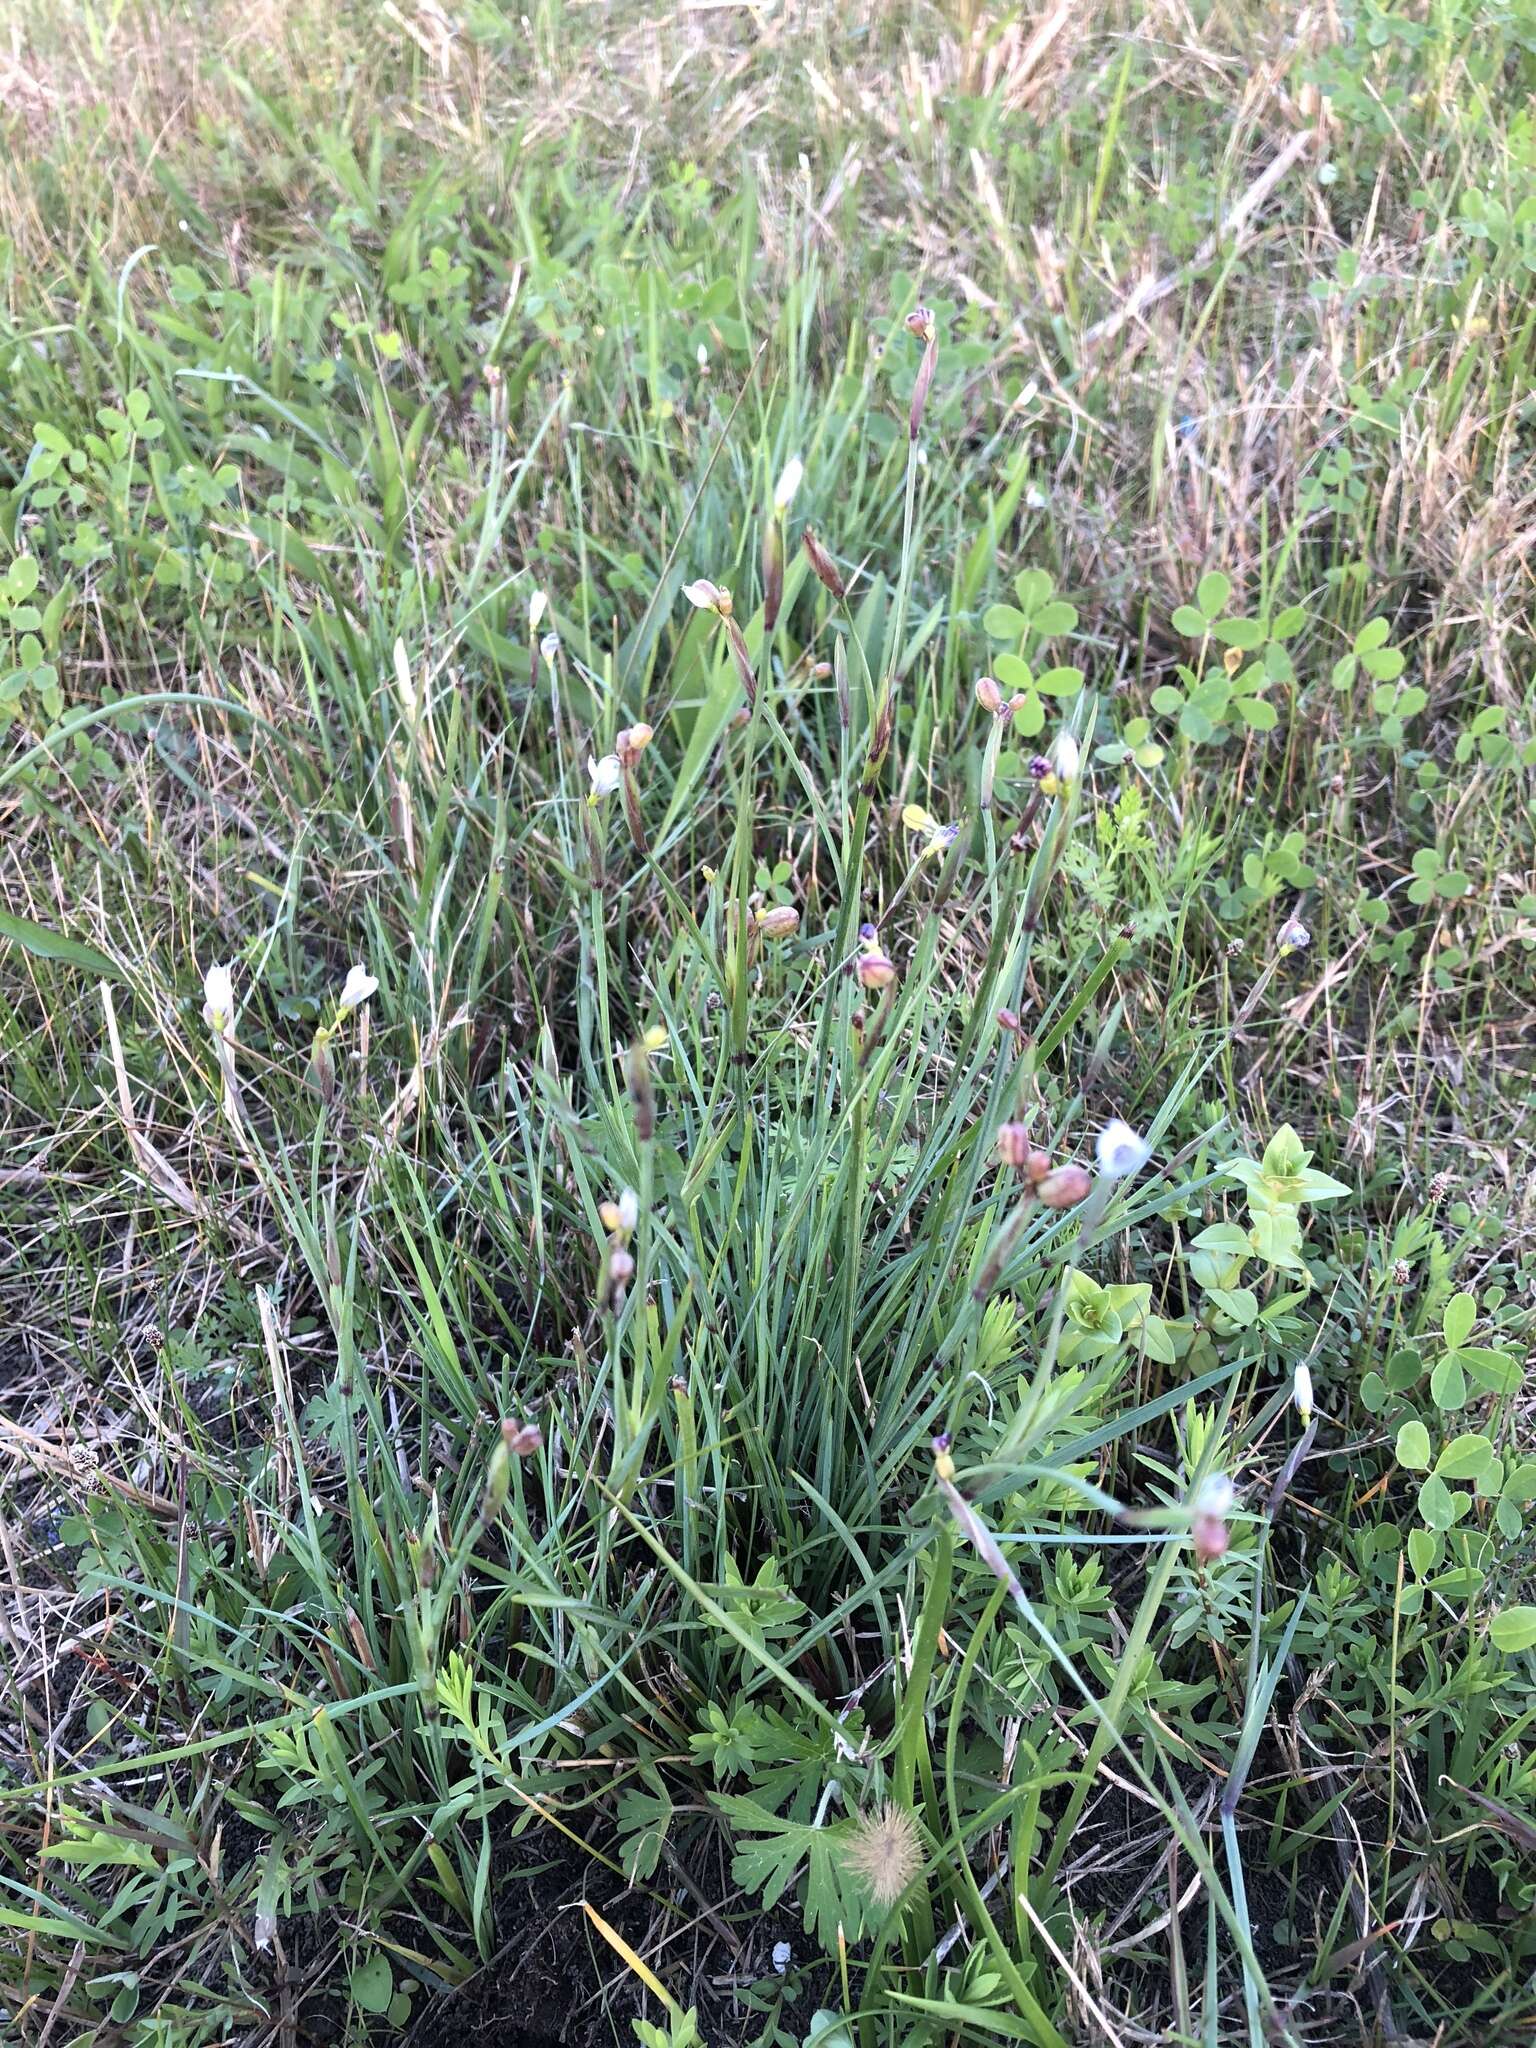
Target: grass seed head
{"x": 884, "y": 1853}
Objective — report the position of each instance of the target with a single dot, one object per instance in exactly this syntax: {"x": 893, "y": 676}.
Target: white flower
{"x": 1301, "y": 1391}
{"x": 1121, "y": 1150}
{"x": 703, "y": 355}
{"x": 357, "y": 988}
{"x": 219, "y": 1001}
{"x": 780, "y": 1957}
{"x": 1215, "y": 1498}
{"x": 1293, "y": 936}
{"x": 549, "y": 646}
{"x": 606, "y": 775}
{"x": 620, "y": 1218}
{"x": 789, "y": 482}
{"x": 1065, "y": 758}
{"x": 538, "y": 605}
{"x": 705, "y": 596}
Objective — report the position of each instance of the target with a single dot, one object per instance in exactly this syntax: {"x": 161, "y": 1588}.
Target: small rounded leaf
{"x": 1514, "y": 1629}
{"x": 373, "y": 1985}
{"x": 1413, "y": 1446}
{"x": 1212, "y": 592}
{"x": 1465, "y": 1457}
{"x": 1460, "y": 1315}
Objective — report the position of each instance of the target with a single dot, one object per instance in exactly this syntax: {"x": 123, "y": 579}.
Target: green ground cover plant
{"x": 766, "y": 927}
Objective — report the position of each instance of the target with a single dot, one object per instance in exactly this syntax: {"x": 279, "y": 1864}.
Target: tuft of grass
{"x": 664, "y": 1398}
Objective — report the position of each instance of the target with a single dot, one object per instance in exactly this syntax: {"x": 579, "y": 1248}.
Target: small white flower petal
{"x": 703, "y": 595}
{"x": 1215, "y": 1497}
{"x": 538, "y": 605}
{"x": 629, "y": 1209}
{"x": 789, "y": 482}
{"x": 1065, "y": 758}
{"x": 1301, "y": 1391}
{"x": 1121, "y": 1151}
{"x": 605, "y": 775}
{"x": 219, "y": 999}
{"x": 357, "y": 988}
{"x": 549, "y": 646}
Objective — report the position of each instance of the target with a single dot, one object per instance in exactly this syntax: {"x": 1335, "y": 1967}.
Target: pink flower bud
{"x": 1013, "y": 1145}
{"x": 1064, "y": 1187}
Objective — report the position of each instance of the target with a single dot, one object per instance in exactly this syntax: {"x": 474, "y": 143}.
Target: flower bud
{"x": 921, "y": 324}
{"x": 988, "y": 695}
{"x": 637, "y": 1080}
{"x": 496, "y": 394}
{"x": 633, "y": 740}
{"x": 876, "y": 969}
{"x": 1013, "y": 1146}
{"x": 322, "y": 1068}
{"x": 1208, "y": 1527}
{"x": 778, "y": 921}
{"x": 773, "y": 571}
{"x": 1010, "y": 1020}
{"x": 1064, "y": 1187}
{"x": 1211, "y": 1538}
{"x": 822, "y": 564}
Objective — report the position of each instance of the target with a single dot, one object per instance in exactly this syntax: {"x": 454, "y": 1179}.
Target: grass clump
{"x": 767, "y": 898}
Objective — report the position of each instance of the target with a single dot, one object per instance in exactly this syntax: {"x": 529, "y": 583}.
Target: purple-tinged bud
{"x": 822, "y": 564}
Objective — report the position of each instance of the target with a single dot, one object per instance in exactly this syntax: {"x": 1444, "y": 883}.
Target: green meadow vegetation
{"x": 767, "y": 958}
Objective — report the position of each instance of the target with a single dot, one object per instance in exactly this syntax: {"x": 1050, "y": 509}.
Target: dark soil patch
{"x": 555, "y": 1982}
